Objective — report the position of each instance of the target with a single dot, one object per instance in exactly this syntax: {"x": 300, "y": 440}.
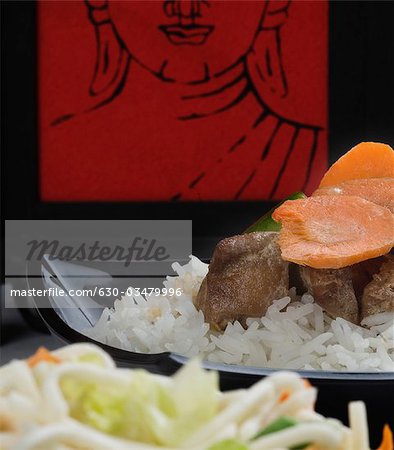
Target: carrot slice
{"x": 375, "y": 190}
{"x": 387, "y": 440}
{"x": 333, "y": 232}
{"x": 42, "y": 354}
{"x": 365, "y": 160}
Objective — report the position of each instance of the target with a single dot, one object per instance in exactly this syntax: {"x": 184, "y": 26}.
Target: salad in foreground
{"x": 75, "y": 398}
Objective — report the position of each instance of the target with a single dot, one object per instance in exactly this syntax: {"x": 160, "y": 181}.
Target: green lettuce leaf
{"x": 146, "y": 410}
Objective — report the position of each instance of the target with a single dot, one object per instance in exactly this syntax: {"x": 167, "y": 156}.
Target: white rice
{"x": 295, "y": 333}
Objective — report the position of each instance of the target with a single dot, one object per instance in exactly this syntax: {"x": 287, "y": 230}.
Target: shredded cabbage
{"x": 229, "y": 444}
{"x": 146, "y": 410}
{"x": 91, "y": 358}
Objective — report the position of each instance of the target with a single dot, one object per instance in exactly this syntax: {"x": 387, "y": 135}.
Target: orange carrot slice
{"x": 375, "y": 190}
{"x": 333, "y": 232}
{"x": 42, "y": 354}
{"x": 365, "y": 160}
{"x": 387, "y": 440}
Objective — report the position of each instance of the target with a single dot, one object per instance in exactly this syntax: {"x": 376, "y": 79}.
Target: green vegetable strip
{"x": 278, "y": 425}
{"x": 229, "y": 444}
{"x": 266, "y": 222}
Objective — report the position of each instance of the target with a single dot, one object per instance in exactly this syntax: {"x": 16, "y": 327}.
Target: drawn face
{"x": 187, "y": 40}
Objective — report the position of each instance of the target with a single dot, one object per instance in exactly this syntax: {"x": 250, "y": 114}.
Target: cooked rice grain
{"x": 294, "y": 334}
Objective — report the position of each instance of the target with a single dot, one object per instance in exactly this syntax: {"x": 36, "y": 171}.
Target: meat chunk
{"x": 245, "y": 275}
{"x": 363, "y": 272}
{"x": 333, "y": 290}
{"x": 378, "y": 295}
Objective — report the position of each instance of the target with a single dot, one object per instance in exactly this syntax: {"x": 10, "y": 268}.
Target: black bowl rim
{"x": 167, "y": 362}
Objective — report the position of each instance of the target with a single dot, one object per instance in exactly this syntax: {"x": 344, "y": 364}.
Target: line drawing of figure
{"x": 177, "y": 50}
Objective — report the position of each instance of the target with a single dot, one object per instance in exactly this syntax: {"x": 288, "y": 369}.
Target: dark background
{"x": 361, "y": 108}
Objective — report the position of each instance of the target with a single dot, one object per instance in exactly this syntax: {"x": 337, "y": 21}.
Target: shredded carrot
{"x": 284, "y": 396}
{"x": 387, "y": 440}
{"x": 42, "y": 354}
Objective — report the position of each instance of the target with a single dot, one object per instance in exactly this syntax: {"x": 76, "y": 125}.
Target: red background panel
{"x": 185, "y": 100}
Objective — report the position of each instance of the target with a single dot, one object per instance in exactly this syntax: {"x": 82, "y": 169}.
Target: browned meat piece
{"x": 378, "y": 295}
{"x": 362, "y": 274}
{"x": 333, "y": 290}
{"x": 245, "y": 275}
